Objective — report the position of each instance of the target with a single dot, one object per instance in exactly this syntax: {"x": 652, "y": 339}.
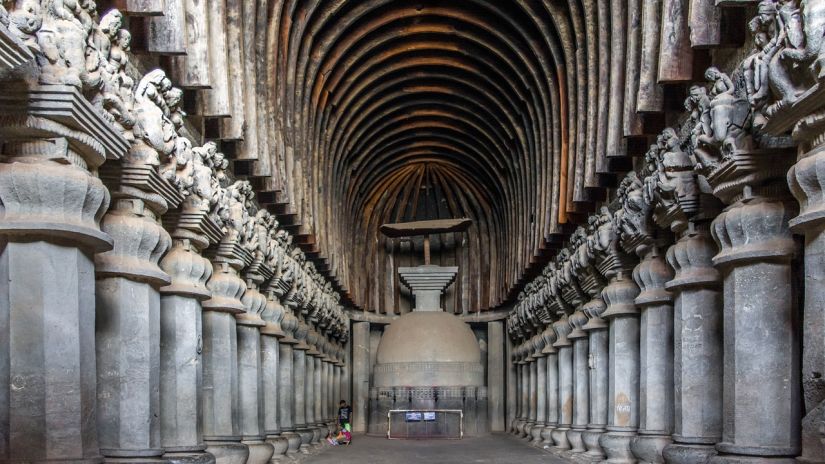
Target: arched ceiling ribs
{"x": 467, "y": 102}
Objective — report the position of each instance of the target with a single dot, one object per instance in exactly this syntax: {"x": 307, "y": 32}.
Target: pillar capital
{"x": 691, "y": 257}
{"x": 577, "y": 320}
{"x": 651, "y": 274}
{"x": 54, "y": 141}
{"x": 754, "y": 229}
{"x": 619, "y": 297}
{"x": 594, "y": 309}
{"x": 562, "y": 329}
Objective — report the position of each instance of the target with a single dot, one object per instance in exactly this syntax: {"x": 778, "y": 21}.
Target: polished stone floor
{"x": 496, "y": 448}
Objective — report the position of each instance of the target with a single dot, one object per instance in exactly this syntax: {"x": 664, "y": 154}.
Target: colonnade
{"x": 680, "y": 299}
{"x": 151, "y": 309}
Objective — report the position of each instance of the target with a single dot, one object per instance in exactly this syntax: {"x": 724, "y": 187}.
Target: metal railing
{"x": 425, "y": 423}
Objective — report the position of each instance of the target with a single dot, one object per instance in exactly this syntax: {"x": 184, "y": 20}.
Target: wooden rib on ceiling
{"x": 374, "y": 99}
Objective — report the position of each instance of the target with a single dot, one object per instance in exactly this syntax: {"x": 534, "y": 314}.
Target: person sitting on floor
{"x": 344, "y": 435}
{"x": 332, "y": 440}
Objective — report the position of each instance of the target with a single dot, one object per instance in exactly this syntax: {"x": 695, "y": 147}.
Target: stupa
{"x": 428, "y": 358}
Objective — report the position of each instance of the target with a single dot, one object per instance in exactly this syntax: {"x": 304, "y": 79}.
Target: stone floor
{"x": 497, "y": 448}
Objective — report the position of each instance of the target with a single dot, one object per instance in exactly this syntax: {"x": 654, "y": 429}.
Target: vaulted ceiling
{"x": 393, "y": 110}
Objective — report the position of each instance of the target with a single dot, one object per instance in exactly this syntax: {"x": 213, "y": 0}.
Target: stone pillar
{"x": 336, "y": 389}
{"x": 656, "y": 358}
{"x": 697, "y": 348}
{"x": 309, "y": 389}
{"x": 49, "y": 233}
{"x": 181, "y": 338}
{"x": 346, "y": 372}
{"x": 496, "y": 376}
{"x": 761, "y": 372}
{"x": 271, "y": 334}
{"x": 525, "y": 394}
{"x": 541, "y": 389}
{"x": 511, "y": 387}
{"x": 250, "y": 383}
{"x": 299, "y": 385}
{"x": 322, "y": 392}
{"x": 318, "y": 402}
{"x": 581, "y": 382}
{"x": 623, "y": 377}
{"x": 565, "y": 353}
{"x": 517, "y": 364}
{"x": 221, "y": 430}
{"x": 552, "y": 388}
{"x": 541, "y": 400}
{"x": 360, "y": 375}
{"x": 286, "y": 386}
{"x": 596, "y": 329}
{"x": 127, "y": 323}
{"x": 328, "y": 387}
{"x": 532, "y": 397}
{"x": 805, "y": 180}
{"x": 320, "y": 418}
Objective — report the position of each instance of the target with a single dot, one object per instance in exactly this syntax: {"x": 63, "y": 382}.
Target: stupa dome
{"x": 428, "y": 348}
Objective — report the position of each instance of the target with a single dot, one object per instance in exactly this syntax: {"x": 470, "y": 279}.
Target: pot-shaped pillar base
{"x": 648, "y": 448}
{"x": 547, "y": 436}
{"x": 574, "y": 436}
{"x": 535, "y": 434}
{"x": 560, "y": 438}
{"x": 293, "y": 442}
{"x": 259, "y": 451}
{"x": 616, "y": 446}
{"x": 189, "y": 458}
{"x": 228, "y": 452}
{"x": 591, "y": 438}
{"x": 306, "y": 438}
{"x": 280, "y": 444}
{"x": 681, "y": 453}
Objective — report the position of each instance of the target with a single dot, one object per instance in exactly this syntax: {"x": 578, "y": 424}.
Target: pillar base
{"x": 547, "y": 436}
{"x": 535, "y": 434}
{"x": 574, "y": 436}
{"x": 616, "y": 446}
{"x": 648, "y": 448}
{"x": 293, "y": 442}
{"x": 590, "y": 438}
{"x": 560, "y": 438}
{"x": 306, "y": 437}
{"x": 740, "y": 459}
{"x": 259, "y": 451}
{"x": 280, "y": 444}
{"x": 520, "y": 427}
{"x": 189, "y": 458}
{"x": 525, "y": 431}
{"x": 514, "y": 426}
{"x": 136, "y": 460}
{"x": 523, "y": 426}
{"x": 680, "y": 453}
{"x": 318, "y": 432}
{"x": 228, "y": 452}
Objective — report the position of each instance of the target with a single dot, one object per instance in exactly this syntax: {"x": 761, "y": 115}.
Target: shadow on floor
{"x": 496, "y": 448}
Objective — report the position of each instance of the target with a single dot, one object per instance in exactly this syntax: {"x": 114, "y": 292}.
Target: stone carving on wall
{"x": 154, "y": 133}
{"x": 633, "y": 226}
{"x": 58, "y": 31}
